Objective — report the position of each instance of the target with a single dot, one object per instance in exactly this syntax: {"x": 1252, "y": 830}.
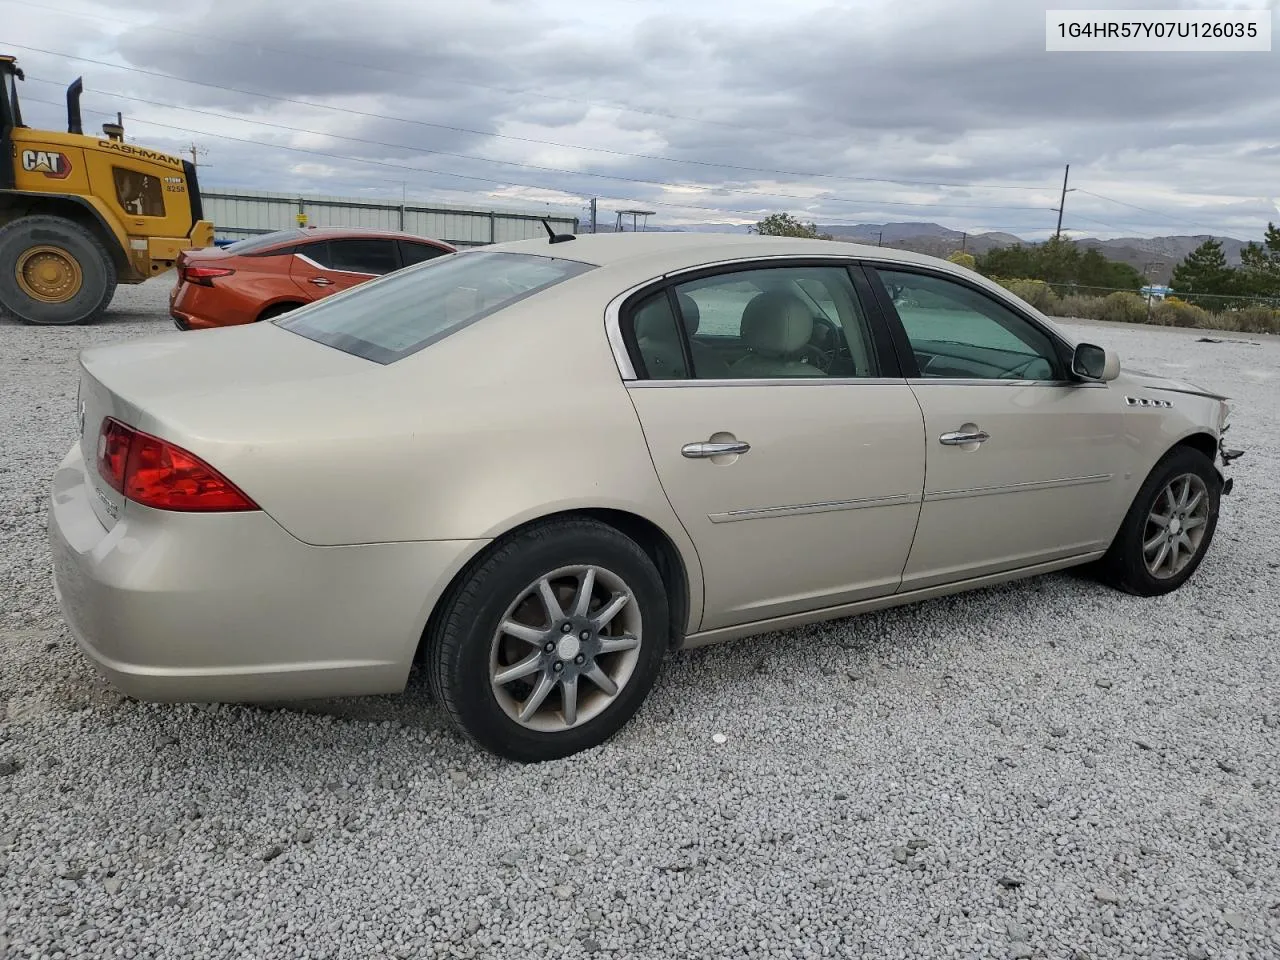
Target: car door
{"x": 799, "y": 485}
{"x": 325, "y": 267}
{"x": 1024, "y": 465}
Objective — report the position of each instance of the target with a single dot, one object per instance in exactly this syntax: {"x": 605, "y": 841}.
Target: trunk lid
{"x": 189, "y": 388}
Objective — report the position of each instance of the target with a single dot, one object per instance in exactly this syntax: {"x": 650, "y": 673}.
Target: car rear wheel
{"x": 279, "y": 310}
{"x": 551, "y": 643}
{"x": 1168, "y": 528}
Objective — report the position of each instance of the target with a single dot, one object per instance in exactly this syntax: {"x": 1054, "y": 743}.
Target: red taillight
{"x": 155, "y": 473}
{"x": 202, "y": 275}
{"x": 113, "y": 452}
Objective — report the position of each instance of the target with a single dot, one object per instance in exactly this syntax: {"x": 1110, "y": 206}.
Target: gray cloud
{"x": 931, "y": 90}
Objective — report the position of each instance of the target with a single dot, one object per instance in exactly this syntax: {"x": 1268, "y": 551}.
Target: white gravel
{"x": 1047, "y": 770}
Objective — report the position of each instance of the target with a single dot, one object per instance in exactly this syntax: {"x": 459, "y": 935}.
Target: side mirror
{"x": 1091, "y": 362}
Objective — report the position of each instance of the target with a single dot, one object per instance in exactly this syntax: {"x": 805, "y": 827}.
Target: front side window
{"x": 139, "y": 194}
{"x": 387, "y": 319}
{"x": 957, "y": 332}
{"x": 756, "y": 324}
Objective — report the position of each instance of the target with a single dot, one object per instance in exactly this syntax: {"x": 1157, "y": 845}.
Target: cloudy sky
{"x": 839, "y": 111}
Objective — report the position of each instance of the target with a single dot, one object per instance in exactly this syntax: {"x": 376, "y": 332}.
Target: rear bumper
{"x": 230, "y": 607}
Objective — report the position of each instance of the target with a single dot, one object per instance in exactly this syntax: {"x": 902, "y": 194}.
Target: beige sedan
{"x": 537, "y": 466}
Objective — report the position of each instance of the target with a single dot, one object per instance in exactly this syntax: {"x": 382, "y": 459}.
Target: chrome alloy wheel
{"x": 1175, "y": 526}
{"x": 565, "y": 648}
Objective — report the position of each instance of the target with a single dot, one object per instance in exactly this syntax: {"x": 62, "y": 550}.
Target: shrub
{"x": 964, "y": 260}
{"x": 1179, "y": 314}
{"x": 1036, "y": 292}
{"x": 1079, "y": 307}
{"x": 1120, "y": 307}
{"x": 1252, "y": 320}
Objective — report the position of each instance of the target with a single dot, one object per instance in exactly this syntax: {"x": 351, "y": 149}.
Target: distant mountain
{"x": 1154, "y": 258}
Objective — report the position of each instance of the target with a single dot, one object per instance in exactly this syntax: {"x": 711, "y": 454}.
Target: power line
{"x": 504, "y": 136}
{"x": 424, "y": 170}
{"x": 531, "y": 166}
{"x": 1143, "y": 209}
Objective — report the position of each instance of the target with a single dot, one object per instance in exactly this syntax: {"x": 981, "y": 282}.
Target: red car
{"x": 268, "y": 275}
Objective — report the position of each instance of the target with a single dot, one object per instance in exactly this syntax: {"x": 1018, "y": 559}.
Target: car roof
{"x": 673, "y": 251}
{"x": 310, "y": 232}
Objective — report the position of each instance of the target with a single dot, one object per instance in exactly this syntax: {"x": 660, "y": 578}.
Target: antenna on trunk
{"x": 554, "y": 237}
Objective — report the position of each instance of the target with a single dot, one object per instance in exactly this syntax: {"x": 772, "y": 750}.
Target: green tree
{"x": 1204, "y": 275}
{"x": 1260, "y": 265}
{"x": 785, "y": 225}
{"x": 1095, "y": 270}
{"x": 1061, "y": 262}
{"x": 1010, "y": 263}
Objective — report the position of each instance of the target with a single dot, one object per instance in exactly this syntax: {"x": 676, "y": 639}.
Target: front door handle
{"x": 322, "y": 281}
{"x": 961, "y": 437}
{"x": 710, "y": 448}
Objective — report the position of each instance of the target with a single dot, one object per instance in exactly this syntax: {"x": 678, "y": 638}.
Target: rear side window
{"x": 418, "y": 252}
{"x": 361, "y": 256}
{"x": 254, "y": 244}
{"x": 386, "y": 320}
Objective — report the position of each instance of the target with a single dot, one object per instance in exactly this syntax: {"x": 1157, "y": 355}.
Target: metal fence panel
{"x": 245, "y": 213}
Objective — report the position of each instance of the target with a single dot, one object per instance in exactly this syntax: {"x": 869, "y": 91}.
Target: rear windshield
{"x": 399, "y": 314}
{"x": 250, "y": 244}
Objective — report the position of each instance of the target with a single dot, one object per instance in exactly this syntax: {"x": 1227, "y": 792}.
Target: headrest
{"x": 690, "y": 312}
{"x": 653, "y": 321}
{"x": 776, "y": 324}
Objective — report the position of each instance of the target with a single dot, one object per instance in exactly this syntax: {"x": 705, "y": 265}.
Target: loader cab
{"x": 10, "y": 116}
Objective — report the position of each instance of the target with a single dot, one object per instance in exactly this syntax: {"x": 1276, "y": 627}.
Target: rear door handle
{"x": 960, "y": 438}
{"x": 322, "y": 282}
{"x": 708, "y": 448}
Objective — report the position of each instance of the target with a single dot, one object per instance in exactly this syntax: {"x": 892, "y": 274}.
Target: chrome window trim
{"x": 350, "y": 273}
{"x": 826, "y": 506}
{"x": 981, "y": 382}
{"x": 768, "y": 382}
{"x": 1026, "y": 486}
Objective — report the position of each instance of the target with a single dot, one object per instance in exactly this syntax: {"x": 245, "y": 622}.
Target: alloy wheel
{"x": 1176, "y": 525}
{"x": 565, "y": 648}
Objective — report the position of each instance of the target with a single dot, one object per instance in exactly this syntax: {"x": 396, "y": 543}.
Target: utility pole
{"x": 964, "y": 239}
{"x": 1063, "y": 202}
{"x": 196, "y": 152}
{"x": 593, "y": 214}
{"x": 880, "y": 238}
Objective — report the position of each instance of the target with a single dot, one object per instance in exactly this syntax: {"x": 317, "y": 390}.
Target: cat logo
{"x": 52, "y": 164}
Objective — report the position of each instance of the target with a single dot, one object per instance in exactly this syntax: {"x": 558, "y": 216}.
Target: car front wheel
{"x": 552, "y": 642}
{"x": 1168, "y": 528}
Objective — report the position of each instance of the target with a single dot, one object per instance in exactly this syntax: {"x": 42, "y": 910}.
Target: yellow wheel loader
{"x": 81, "y": 213}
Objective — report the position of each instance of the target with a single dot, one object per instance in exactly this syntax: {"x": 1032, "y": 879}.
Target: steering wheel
{"x": 827, "y": 345}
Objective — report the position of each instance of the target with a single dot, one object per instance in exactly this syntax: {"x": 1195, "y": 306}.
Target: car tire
{"x": 1137, "y": 549}
{"x": 467, "y": 648}
{"x": 279, "y": 310}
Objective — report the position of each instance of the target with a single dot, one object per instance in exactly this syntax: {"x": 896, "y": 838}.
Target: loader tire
{"x": 54, "y": 272}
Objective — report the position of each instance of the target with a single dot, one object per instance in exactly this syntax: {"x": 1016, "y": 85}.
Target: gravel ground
{"x": 1048, "y": 769}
